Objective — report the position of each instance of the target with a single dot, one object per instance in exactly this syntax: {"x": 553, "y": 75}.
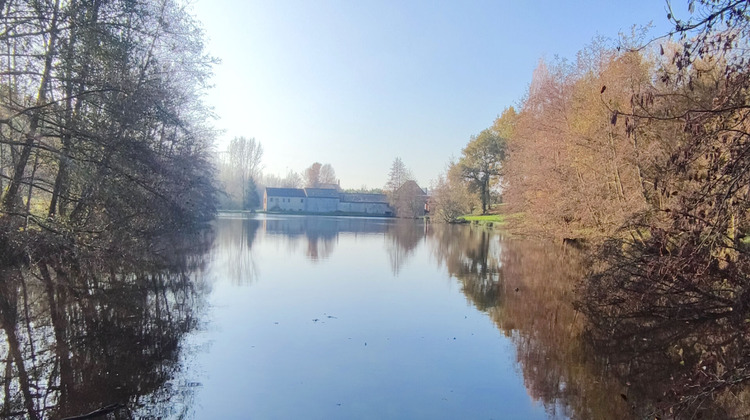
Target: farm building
{"x": 325, "y": 200}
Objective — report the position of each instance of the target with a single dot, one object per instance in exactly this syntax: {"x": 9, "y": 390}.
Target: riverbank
{"x": 489, "y": 220}
{"x": 498, "y": 220}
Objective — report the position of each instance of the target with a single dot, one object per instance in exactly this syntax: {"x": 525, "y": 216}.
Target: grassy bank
{"x": 487, "y": 220}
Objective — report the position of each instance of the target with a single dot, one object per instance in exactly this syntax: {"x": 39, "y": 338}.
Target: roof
{"x": 321, "y": 193}
{"x": 411, "y": 186}
{"x": 364, "y": 198}
{"x": 285, "y": 192}
{"x": 329, "y": 186}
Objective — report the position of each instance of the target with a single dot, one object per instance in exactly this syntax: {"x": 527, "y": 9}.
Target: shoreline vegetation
{"x": 107, "y": 181}
{"x": 104, "y": 141}
{"x": 641, "y": 151}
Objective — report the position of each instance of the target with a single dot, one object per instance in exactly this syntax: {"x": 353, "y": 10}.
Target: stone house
{"x": 284, "y": 199}
{"x": 322, "y": 200}
{"x": 325, "y": 200}
{"x": 410, "y": 200}
{"x": 365, "y": 203}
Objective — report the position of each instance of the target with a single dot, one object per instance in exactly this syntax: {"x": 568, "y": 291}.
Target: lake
{"x": 278, "y": 317}
{"x": 325, "y": 317}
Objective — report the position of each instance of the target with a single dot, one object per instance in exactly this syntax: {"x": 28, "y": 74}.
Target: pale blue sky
{"x": 358, "y": 83}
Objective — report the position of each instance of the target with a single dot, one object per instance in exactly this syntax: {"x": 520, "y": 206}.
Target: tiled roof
{"x": 285, "y": 192}
{"x": 321, "y": 193}
{"x": 364, "y": 198}
{"x": 411, "y": 186}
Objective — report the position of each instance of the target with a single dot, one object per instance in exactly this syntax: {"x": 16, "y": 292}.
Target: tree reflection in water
{"x": 527, "y": 289}
{"x": 403, "y": 238}
{"x": 236, "y": 238}
{"x": 681, "y": 340}
{"x": 620, "y": 361}
{"x": 81, "y": 334}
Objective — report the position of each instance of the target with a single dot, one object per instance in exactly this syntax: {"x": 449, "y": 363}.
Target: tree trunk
{"x": 11, "y": 196}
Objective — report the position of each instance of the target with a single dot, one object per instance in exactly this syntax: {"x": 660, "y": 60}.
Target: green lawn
{"x": 494, "y": 218}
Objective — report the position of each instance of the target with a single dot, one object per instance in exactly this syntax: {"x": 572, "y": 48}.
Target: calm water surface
{"x": 308, "y": 317}
{"x": 276, "y": 317}
{"x": 323, "y": 317}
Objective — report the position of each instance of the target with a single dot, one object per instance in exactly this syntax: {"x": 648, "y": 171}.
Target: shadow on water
{"x": 83, "y": 335}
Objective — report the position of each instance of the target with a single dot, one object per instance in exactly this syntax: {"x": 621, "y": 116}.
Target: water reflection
{"x": 681, "y": 342}
{"x": 403, "y": 236}
{"x": 527, "y": 290}
{"x": 80, "y": 335}
{"x": 473, "y": 257}
{"x": 235, "y": 237}
{"x": 624, "y": 360}
{"x": 83, "y": 335}
{"x": 317, "y": 237}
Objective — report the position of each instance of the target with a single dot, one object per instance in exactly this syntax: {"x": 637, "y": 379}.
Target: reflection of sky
{"x": 382, "y": 346}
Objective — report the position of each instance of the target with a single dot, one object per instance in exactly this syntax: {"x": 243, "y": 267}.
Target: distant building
{"x": 410, "y": 200}
{"x": 336, "y": 187}
{"x": 284, "y": 199}
{"x": 364, "y": 203}
{"x": 322, "y": 200}
{"x": 325, "y": 200}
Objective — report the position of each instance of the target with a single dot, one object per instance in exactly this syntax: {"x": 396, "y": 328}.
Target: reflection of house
{"x": 325, "y": 200}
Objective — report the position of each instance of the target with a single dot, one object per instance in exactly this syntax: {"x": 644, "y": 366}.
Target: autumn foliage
{"x": 573, "y": 168}
{"x": 645, "y": 152}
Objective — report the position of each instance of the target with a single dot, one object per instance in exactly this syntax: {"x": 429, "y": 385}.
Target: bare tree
{"x": 397, "y": 176}
{"x": 327, "y": 174}
{"x": 245, "y": 156}
{"x": 102, "y": 128}
{"x": 291, "y": 180}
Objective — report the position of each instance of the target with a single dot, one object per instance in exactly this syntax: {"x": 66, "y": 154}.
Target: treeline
{"x": 103, "y": 136}
{"x": 645, "y": 153}
{"x": 621, "y": 138}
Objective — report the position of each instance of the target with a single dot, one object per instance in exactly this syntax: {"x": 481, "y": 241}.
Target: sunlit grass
{"x": 494, "y": 218}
